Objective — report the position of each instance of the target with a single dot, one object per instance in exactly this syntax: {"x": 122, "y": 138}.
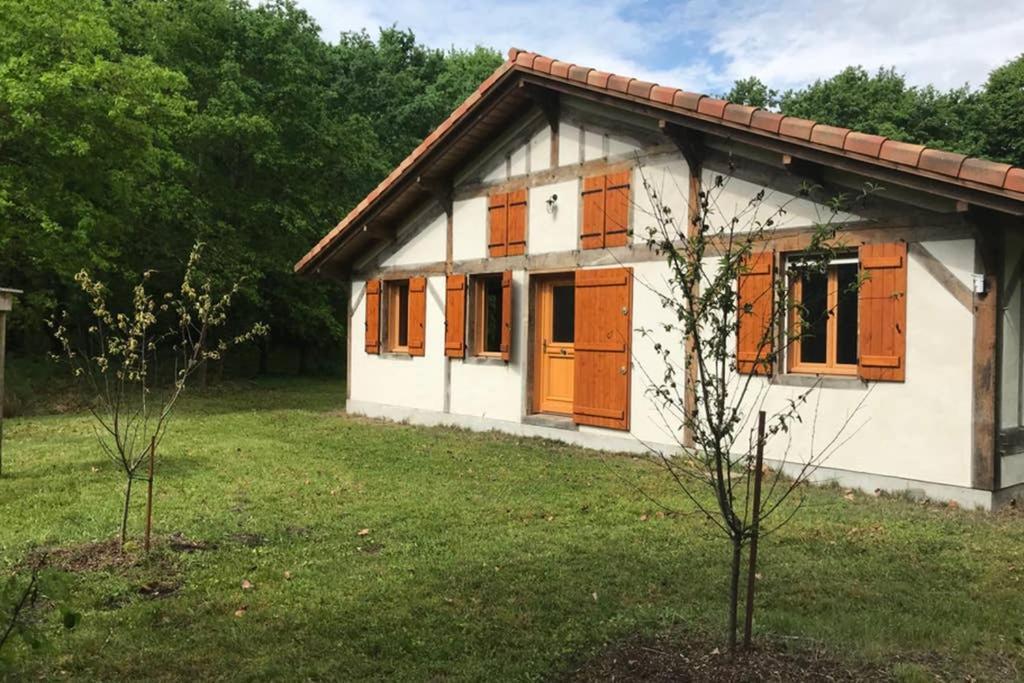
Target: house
{"x": 489, "y": 271}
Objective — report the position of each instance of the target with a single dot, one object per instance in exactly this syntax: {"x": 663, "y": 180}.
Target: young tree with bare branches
{"x": 121, "y": 358}
{"x": 711, "y": 396}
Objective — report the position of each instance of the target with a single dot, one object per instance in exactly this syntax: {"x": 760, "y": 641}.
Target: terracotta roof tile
{"x": 619, "y": 83}
{"x": 579, "y": 73}
{"x": 766, "y": 120}
{"x": 542, "y": 64}
{"x": 598, "y": 79}
{"x": 663, "y": 95}
{"x": 985, "y": 172}
{"x": 793, "y": 127}
{"x": 640, "y": 89}
{"x": 830, "y": 136}
{"x": 937, "y": 161}
{"x": 688, "y": 100}
{"x": 739, "y": 113}
{"x": 712, "y": 106}
{"x": 900, "y": 152}
{"x": 910, "y": 157}
{"x": 1014, "y": 180}
{"x": 864, "y": 143}
{"x": 560, "y": 69}
{"x": 525, "y": 59}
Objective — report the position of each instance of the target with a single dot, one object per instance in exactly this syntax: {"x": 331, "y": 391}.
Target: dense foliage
{"x": 986, "y": 122}
{"x": 129, "y": 129}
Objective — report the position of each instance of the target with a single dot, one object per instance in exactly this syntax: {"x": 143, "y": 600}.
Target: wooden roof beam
{"x": 690, "y": 143}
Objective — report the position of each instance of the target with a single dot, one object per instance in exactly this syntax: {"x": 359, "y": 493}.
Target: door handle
{"x": 563, "y": 352}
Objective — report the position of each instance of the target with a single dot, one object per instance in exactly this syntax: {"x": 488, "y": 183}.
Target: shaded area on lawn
{"x": 484, "y": 556}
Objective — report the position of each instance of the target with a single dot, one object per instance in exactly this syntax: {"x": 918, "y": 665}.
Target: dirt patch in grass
{"x": 697, "y": 658}
{"x": 108, "y": 556}
{"x": 86, "y": 557}
{"x": 180, "y": 543}
{"x": 160, "y": 588}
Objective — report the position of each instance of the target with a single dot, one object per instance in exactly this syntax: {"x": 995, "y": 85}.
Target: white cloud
{"x": 705, "y": 44}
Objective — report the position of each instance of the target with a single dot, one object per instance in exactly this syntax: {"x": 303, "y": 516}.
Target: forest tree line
{"x": 129, "y": 129}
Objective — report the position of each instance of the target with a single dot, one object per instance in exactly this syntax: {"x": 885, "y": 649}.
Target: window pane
{"x": 403, "y": 314}
{"x": 563, "y": 326}
{"x": 492, "y": 314}
{"x": 814, "y": 341}
{"x": 846, "y": 314}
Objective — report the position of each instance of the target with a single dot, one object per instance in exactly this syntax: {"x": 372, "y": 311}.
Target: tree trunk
{"x": 124, "y": 517}
{"x": 734, "y": 592}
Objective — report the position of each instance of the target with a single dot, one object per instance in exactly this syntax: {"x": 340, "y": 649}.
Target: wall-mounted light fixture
{"x": 552, "y": 203}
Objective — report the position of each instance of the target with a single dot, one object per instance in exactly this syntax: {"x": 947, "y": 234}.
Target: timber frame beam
{"x": 989, "y": 247}
{"x": 782, "y": 239}
{"x": 549, "y": 102}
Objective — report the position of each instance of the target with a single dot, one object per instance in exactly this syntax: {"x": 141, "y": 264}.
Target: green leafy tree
{"x": 87, "y": 147}
{"x": 753, "y": 92}
{"x": 1001, "y": 119}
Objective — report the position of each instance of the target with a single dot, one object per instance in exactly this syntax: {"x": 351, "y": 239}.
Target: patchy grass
{"x": 486, "y": 556}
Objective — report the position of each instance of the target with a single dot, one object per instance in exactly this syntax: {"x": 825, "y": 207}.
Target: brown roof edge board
{"x": 992, "y": 184}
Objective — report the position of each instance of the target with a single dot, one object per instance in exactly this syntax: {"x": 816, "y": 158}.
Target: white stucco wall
{"x": 494, "y": 389}
{"x": 469, "y": 229}
{"x": 733, "y": 200}
{"x": 416, "y": 382}
{"x": 667, "y": 184}
{"x": 556, "y": 229}
{"x": 422, "y": 239}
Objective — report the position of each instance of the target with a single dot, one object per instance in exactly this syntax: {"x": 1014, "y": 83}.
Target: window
{"x": 397, "y": 302}
{"x": 563, "y": 315}
{"x": 823, "y": 319}
{"x": 488, "y": 315}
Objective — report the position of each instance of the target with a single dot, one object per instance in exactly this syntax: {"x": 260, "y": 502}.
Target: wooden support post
{"x": 985, "y": 460}
{"x": 691, "y": 145}
{"x": 985, "y": 433}
{"x": 3, "y": 353}
{"x": 548, "y": 102}
{"x": 149, "y": 493}
{"x": 6, "y": 303}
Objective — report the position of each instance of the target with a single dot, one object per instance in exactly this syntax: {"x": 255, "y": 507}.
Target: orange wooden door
{"x": 556, "y": 354}
{"x": 603, "y": 332}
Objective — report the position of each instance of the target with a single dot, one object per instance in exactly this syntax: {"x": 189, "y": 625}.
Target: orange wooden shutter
{"x": 497, "y": 218}
{"x": 372, "y": 338}
{"x": 516, "y": 227}
{"x": 883, "y": 312}
{"x": 506, "y": 315}
{"x": 602, "y": 343}
{"x": 755, "y": 305}
{"x": 616, "y": 210}
{"x": 592, "y": 227}
{"x": 417, "y": 314}
{"x": 455, "y": 317}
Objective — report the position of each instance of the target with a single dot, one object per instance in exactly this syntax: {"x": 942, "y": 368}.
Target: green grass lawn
{"x": 487, "y": 557}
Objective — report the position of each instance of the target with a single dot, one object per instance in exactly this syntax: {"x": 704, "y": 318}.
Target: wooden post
{"x": 3, "y": 347}
{"x": 6, "y": 303}
{"x": 149, "y": 493}
{"x": 985, "y": 376}
{"x": 748, "y": 623}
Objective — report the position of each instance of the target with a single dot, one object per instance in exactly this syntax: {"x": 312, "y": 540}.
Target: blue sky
{"x": 705, "y": 45}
